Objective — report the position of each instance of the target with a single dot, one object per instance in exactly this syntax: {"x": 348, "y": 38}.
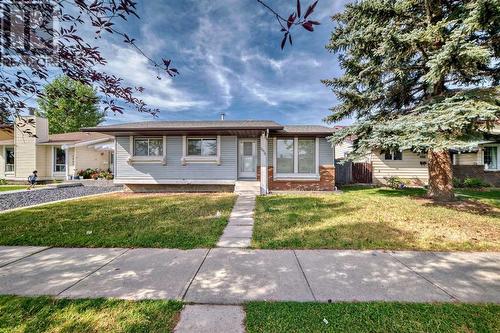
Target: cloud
{"x": 135, "y": 70}
{"x": 229, "y": 57}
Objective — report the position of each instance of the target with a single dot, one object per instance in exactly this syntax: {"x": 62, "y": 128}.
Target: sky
{"x": 229, "y": 58}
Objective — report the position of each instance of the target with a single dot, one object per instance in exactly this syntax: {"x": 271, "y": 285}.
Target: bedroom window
{"x": 59, "y": 159}
{"x": 9, "y": 159}
{"x": 151, "y": 147}
{"x": 393, "y": 155}
{"x": 202, "y": 147}
{"x": 296, "y": 157}
{"x": 491, "y": 158}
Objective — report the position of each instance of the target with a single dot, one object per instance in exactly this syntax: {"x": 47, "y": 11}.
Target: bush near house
{"x": 95, "y": 174}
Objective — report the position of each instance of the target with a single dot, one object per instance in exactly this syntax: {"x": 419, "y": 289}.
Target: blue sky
{"x": 228, "y": 54}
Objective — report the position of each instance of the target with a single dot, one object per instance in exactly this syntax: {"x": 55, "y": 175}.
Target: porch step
{"x": 247, "y": 187}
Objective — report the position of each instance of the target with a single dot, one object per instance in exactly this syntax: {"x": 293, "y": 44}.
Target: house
{"x": 26, "y": 146}
{"x": 481, "y": 162}
{"x": 214, "y": 155}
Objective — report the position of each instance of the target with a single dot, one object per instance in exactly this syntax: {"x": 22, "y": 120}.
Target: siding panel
{"x": 409, "y": 168}
{"x": 325, "y": 152}
{"x": 174, "y": 168}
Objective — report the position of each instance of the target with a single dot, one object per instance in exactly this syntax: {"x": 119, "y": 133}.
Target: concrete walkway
{"x": 238, "y": 232}
{"x": 234, "y": 276}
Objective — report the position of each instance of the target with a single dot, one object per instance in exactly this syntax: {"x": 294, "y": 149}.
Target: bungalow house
{"x": 215, "y": 155}
{"x": 26, "y": 146}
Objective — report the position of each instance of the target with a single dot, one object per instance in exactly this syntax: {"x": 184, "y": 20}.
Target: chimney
{"x": 31, "y": 111}
{"x": 222, "y": 115}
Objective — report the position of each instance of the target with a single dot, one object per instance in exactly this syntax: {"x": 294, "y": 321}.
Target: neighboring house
{"x": 55, "y": 157}
{"x": 214, "y": 155}
{"x": 482, "y": 162}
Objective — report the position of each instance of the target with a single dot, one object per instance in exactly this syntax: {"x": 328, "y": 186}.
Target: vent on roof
{"x": 222, "y": 115}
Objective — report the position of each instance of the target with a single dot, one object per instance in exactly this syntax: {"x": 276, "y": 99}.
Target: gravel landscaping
{"x": 34, "y": 197}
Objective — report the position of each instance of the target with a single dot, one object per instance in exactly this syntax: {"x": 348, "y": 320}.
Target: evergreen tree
{"x": 420, "y": 75}
{"x": 69, "y": 105}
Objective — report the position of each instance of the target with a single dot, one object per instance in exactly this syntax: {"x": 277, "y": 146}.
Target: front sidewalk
{"x": 234, "y": 276}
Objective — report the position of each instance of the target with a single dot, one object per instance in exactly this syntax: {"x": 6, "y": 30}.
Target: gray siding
{"x": 325, "y": 152}
{"x": 174, "y": 168}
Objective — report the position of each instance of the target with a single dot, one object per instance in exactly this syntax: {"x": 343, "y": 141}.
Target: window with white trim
{"x": 205, "y": 147}
{"x": 393, "y": 155}
{"x": 296, "y": 157}
{"x": 307, "y": 155}
{"x": 9, "y": 159}
{"x": 59, "y": 159}
{"x": 284, "y": 155}
{"x": 148, "y": 147}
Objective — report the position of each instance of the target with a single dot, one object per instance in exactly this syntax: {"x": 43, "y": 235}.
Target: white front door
{"x": 248, "y": 158}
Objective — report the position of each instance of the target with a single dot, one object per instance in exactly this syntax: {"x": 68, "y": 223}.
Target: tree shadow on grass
{"x": 465, "y": 205}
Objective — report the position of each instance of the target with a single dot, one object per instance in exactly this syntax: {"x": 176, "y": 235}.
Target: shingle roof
{"x": 189, "y": 125}
{"x": 308, "y": 129}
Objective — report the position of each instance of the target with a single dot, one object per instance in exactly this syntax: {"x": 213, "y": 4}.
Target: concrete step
{"x": 247, "y": 187}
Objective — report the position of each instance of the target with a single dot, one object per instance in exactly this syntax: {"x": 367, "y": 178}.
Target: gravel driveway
{"x": 28, "y": 198}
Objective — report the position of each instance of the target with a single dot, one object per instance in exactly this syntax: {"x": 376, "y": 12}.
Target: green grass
{"x": 122, "y": 220}
{"x": 487, "y": 196}
{"x": 378, "y": 218}
{"x": 371, "y": 317}
{"x": 4, "y": 188}
{"x": 44, "y": 314}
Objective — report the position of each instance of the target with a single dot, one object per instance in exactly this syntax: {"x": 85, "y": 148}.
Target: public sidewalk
{"x": 234, "y": 276}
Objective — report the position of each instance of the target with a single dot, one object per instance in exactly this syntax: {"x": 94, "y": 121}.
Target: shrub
{"x": 457, "y": 183}
{"x": 396, "y": 182}
{"x": 3, "y": 182}
{"x": 475, "y": 183}
{"x": 95, "y": 174}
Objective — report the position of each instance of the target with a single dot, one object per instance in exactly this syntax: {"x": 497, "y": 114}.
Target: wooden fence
{"x": 353, "y": 173}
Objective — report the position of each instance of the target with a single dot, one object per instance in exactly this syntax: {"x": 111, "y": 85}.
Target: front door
{"x": 248, "y": 158}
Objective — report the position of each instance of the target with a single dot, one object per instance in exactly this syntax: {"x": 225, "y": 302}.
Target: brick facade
{"x": 158, "y": 188}
{"x": 476, "y": 171}
{"x": 325, "y": 183}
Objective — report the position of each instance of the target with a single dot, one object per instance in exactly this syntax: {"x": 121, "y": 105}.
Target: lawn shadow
{"x": 466, "y": 206}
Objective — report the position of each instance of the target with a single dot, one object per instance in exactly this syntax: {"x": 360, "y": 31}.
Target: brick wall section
{"x": 476, "y": 171}
{"x": 153, "y": 188}
{"x": 325, "y": 183}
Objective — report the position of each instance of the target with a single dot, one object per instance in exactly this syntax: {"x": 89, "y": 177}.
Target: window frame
{"x": 296, "y": 175}
{"x": 54, "y": 161}
{"x": 14, "y": 164}
{"x": 201, "y": 158}
{"x": 148, "y": 158}
{"x": 392, "y": 154}
{"x": 497, "y": 146}
{"x": 201, "y": 139}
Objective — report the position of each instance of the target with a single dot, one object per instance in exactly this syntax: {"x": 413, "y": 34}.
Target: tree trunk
{"x": 440, "y": 175}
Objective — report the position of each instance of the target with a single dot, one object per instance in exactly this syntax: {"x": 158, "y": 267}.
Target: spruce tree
{"x": 420, "y": 75}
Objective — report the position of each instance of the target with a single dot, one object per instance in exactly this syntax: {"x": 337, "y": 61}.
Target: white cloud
{"x": 135, "y": 70}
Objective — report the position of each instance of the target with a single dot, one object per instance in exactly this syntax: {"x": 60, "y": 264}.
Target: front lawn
{"x": 44, "y": 314}
{"x": 378, "y": 218}
{"x": 182, "y": 221}
{"x": 371, "y": 317}
{"x": 4, "y": 188}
